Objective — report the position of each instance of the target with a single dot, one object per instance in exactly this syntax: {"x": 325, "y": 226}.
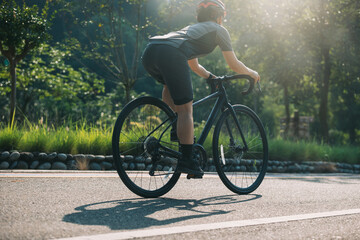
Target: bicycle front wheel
{"x": 142, "y": 127}
{"x": 240, "y": 154}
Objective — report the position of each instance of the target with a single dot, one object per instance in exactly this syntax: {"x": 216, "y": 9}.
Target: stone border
{"x": 62, "y": 161}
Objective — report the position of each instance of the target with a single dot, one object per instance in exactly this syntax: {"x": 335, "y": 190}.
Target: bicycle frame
{"x": 241, "y": 163}
{"x": 221, "y": 104}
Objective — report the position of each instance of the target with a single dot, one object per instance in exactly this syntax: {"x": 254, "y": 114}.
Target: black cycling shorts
{"x": 169, "y": 66}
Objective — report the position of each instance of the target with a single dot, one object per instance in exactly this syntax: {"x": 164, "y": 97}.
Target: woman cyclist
{"x": 167, "y": 58}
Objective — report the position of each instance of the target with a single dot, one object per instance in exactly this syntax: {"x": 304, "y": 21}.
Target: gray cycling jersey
{"x": 197, "y": 40}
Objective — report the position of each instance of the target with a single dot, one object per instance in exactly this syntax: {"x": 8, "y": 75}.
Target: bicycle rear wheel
{"x": 241, "y": 170}
{"x": 141, "y": 128}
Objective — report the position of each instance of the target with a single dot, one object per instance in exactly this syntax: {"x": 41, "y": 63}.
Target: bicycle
{"x": 146, "y": 158}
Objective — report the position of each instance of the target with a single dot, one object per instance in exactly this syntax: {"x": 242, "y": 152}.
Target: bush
{"x": 62, "y": 140}
{"x": 97, "y": 140}
{"x": 34, "y": 140}
{"x": 94, "y": 141}
{"x": 9, "y": 138}
{"x": 346, "y": 154}
{"x": 298, "y": 151}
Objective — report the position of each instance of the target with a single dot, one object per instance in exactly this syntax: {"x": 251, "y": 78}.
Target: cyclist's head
{"x": 210, "y": 10}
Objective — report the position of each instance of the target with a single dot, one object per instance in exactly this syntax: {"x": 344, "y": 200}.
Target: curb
{"x": 68, "y": 162}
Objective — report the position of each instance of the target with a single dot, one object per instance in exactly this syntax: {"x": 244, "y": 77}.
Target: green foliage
{"x": 49, "y": 87}
{"x": 345, "y": 90}
{"x": 299, "y": 151}
{"x": 347, "y": 154}
{"x": 21, "y": 31}
{"x": 110, "y": 38}
{"x": 34, "y": 140}
{"x": 281, "y": 40}
{"x": 9, "y": 138}
{"x": 94, "y": 141}
{"x": 61, "y": 140}
{"x": 84, "y": 138}
{"x": 83, "y": 76}
{"x": 22, "y": 27}
{"x": 284, "y": 150}
{"x": 79, "y": 138}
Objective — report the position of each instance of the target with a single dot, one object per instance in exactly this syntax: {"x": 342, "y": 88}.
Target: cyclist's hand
{"x": 254, "y": 75}
{"x": 211, "y": 76}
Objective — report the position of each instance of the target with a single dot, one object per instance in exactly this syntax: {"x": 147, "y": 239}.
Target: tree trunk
{"x": 13, "y": 91}
{"x": 325, "y": 69}
{"x": 127, "y": 93}
{"x": 135, "y": 62}
{"x": 352, "y": 134}
{"x": 324, "y": 92}
{"x": 287, "y": 109}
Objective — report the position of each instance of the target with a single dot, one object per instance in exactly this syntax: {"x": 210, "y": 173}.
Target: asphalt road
{"x": 81, "y": 204}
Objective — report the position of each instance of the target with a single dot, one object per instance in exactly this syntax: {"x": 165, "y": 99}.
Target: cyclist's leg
{"x": 166, "y": 97}
{"x": 185, "y": 132}
{"x": 172, "y": 65}
{"x": 177, "y": 90}
{"x": 185, "y": 123}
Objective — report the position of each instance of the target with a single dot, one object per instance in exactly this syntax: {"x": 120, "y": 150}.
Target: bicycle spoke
{"x": 253, "y": 140}
{"x": 129, "y": 150}
{"x": 142, "y": 124}
{"x": 242, "y": 167}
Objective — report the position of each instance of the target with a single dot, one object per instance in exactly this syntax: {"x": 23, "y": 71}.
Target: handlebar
{"x": 239, "y": 76}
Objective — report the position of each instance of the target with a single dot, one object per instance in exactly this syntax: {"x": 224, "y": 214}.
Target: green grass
{"x": 41, "y": 138}
{"x": 61, "y": 140}
{"x": 299, "y": 151}
{"x": 90, "y": 139}
{"x": 94, "y": 141}
{"x": 34, "y": 140}
{"x": 9, "y": 138}
{"x": 346, "y": 154}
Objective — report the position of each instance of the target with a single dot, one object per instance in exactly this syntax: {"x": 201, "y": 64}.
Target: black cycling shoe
{"x": 190, "y": 167}
{"x": 189, "y": 176}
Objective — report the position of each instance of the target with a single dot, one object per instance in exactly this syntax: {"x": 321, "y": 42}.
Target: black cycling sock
{"x": 186, "y": 150}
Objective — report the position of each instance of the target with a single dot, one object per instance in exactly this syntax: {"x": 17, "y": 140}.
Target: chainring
{"x": 200, "y": 155}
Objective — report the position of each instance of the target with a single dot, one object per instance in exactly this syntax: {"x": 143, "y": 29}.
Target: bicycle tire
{"x": 241, "y": 171}
{"x": 131, "y": 142}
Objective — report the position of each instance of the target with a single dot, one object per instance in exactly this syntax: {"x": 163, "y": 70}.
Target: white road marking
{"x": 57, "y": 174}
{"x": 72, "y": 174}
{"x": 113, "y": 174}
{"x": 212, "y": 226}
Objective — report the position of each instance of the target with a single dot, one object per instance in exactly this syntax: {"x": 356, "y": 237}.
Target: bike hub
{"x": 151, "y": 145}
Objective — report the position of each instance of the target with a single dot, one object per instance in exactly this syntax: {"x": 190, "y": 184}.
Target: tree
{"x": 268, "y": 39}
{"x": 321, "y": 31}
{"x": 111, "y": 37}
{"x": 324, "y": 45}
{"x": 346, "y": 79}
{"x": 22, "y": 29}
{"x": 50, "y": 88}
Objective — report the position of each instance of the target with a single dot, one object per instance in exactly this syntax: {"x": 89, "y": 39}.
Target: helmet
{"x": 217, "y": 3}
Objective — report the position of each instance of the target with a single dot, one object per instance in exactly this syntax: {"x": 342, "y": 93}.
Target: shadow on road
{"x": 139, "y": 213}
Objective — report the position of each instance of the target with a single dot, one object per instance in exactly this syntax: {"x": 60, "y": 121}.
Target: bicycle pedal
{"x": 189, "y": 176}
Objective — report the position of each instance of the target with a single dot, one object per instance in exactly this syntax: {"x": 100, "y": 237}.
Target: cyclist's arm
{"x": 197, "y": 68}
{"x": 237, "y": 66}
